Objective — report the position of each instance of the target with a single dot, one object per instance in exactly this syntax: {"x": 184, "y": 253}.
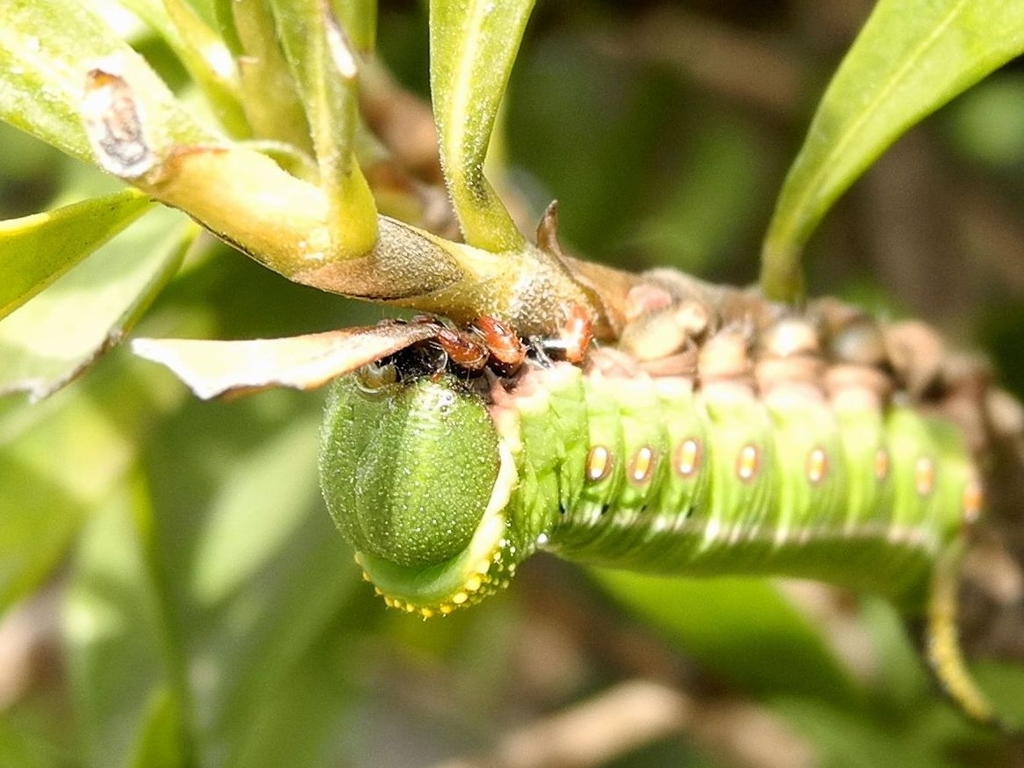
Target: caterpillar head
{"x": 415, "y": 476}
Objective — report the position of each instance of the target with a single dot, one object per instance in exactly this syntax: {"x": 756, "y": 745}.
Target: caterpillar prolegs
{"x": 721, "y": 435}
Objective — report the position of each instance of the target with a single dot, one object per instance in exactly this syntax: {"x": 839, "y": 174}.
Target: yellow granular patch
{"x": 482, "y": 580}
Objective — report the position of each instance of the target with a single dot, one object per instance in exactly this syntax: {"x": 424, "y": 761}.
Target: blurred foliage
{"x": 172, "y": 592}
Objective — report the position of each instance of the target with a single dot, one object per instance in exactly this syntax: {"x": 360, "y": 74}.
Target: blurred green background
{"x": 172, "y": 591}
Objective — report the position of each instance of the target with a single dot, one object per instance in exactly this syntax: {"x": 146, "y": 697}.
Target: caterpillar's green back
{"x": 762, "y": 442}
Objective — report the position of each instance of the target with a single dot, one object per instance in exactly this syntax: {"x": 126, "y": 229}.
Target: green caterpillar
{"x": 745, "y": 450}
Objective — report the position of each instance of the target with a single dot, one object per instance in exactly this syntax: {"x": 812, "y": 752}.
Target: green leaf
{"x": 269, "y": 93}
{"x": 36, "y": 250}
{"x": 257, "y": 571}
{"x": 203, "y": 54}
{"x": 910, "y": 58}
{"x": 123, "y": 656}
{"x": 278, "y": 476}
{"x": 473, "y": 44}
{"x": 160, "y": 744}
{"x": 186, "y": 629}
{"x": 742, "y": 629}
{"x": 19, "y": 748}
{"x": 51, "y": 339}
{"x": 46, "y": 49}
{"x": 57, "y": 461}
{"x": 224, "y": 14}
{"x": 325, "y": 65}
{"x": 40, "y": 518}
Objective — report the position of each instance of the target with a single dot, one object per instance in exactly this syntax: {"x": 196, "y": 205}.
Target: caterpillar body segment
{"x": 420, "y": 488}
{"x": 712, "y": 483}
{"x": 640, "y": 473}
{"x": 766, "y": 446}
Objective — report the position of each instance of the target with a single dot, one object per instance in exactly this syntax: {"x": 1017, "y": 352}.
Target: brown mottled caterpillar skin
{"x": 719, "y": 434}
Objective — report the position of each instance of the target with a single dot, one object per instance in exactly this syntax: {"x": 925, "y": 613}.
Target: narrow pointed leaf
{"x": 203, "y": 54}
{"x": 473, "y": 44}
{"x": 36, "y": 250}
{"x": 162, "y": 741}
{"x": 212, "y": 368}
{"x": 55, "y": 336}
{"x": 910, "y": 58}
{"x": 269, "y": 94}
{"x": 324, "y": 63}
{"x": 252, "y": 600}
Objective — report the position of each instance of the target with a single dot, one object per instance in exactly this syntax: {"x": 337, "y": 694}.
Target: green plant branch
{"x": 111, "y": 109}
{"x": 473, "y": 44}
{"x": 325, "y": 67}
{"x": 284, "y": 223}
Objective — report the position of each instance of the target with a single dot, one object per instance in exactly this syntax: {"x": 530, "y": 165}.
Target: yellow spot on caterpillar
{"x": 973, "y": 501}
{"x": 748, "y": 463}
{"x": 881, "y": 465}
{"x": 641, "y": 465}
{"x": 366, "y": 576}
{"x": 817, "y": 465}
{"x": 480, "y": 581}
{"x": 924, "y": 476}
{"x": 358, "y": 558}
{"x": 687, "y": 458}
{"x": 599, "y": 463}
